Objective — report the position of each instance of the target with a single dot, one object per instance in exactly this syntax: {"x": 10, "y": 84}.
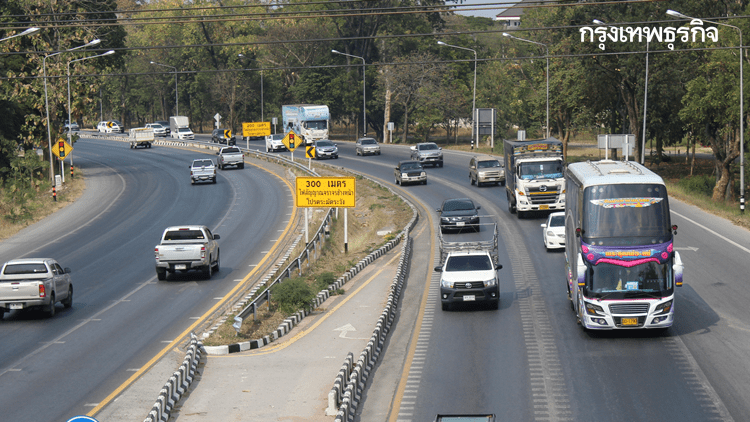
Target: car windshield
{"x": 156, "y": 126}
{"x": 469, "y": 263}
{"x": 368, "y": 142}
{"x": 116, "y": 122}
{"x": 183, "y": 235}
{"x": 488, "y": 164}
{"x": 557, "y": 221}
{"x": 428, "y": 147}
{"x": 202, "y": 163}
{"x": 183, "y": 129}
{"x": 411, "y": 166}
{"x": 458, "y": 205}
{"x": 36, "y": 268}
{"x": 278, "y": 137}
{"x": 324, "y": 144}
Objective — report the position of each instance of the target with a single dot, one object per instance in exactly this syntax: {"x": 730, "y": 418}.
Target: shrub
{"x": 323, "y": 280}
{"x": 292, "y": 295}
{"x": 701, "y": 184}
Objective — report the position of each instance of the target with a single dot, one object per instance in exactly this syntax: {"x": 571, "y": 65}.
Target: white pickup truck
{"x": 202, "y": 170}
{"x": 231, "y": 156}
{"x": 184, "y": 248}
{"x": 34, "y": 283}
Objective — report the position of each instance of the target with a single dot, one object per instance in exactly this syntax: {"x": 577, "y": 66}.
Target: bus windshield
{"x": 625, "y": 214}
{"x": 650, "y": 279}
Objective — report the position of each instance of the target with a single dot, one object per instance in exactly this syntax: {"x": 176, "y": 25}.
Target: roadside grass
{"x": 377, "y": 211}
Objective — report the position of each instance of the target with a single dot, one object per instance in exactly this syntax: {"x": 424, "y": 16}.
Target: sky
{"x": 490, "y": 13}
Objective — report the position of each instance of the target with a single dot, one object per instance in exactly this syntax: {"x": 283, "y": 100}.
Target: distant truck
{"x": 306, "y": 120}
{"x": 231, "y": 156}
{"x": 34, "y": 283}
{"x": 534, "y": 176}
{"x": 141, "y": 137}
{"x": 179, "y": 128}
{"x": 184, "y": 248}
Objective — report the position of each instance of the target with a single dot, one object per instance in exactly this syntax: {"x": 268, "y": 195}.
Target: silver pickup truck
{"x": 34, "y": 283}
{"x": 231, "y": 156}
{"x": 202, "y": 170}
{"x": 184, "y": 248}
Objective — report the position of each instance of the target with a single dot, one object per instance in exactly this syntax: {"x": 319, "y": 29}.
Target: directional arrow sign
{"x": 310, "y": 152}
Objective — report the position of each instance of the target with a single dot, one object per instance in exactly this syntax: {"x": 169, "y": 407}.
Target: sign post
{"x": 321, "y": 192}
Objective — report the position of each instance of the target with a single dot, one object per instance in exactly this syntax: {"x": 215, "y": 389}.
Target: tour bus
{"x": 620, "y": 260}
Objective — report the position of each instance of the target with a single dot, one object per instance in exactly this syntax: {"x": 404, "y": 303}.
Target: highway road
{"x": 530, "y": 361}
{"x": 122, "y": 317}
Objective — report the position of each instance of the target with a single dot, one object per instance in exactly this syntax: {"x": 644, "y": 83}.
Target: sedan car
{"x": 223, "y": 136}
{"x": 427, "y": 153}
{"x": 274, "y": 142}
{"x": 457, "y": 214}
{"x": 409, "y": 172}
{"x": 553, "y": 231}
{"x": 326, "y": 149}
{"x": 365, "y": 146}
{"x": 71, "y": 126}
{"x": 110, "y": 126}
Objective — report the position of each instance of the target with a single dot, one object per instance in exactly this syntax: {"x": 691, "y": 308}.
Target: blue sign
{"x": 82, "y": 419}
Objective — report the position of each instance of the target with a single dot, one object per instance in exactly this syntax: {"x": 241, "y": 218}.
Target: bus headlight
{"x": 592, "y": 309}
{"x": 663, "y": 308}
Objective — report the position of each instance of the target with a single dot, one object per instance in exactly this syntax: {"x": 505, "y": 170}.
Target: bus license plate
{"x": 180, "y": 267}
{"x": 16, "y": 306}
{"x": 469, "y": 298}
{"x": 544, "y": 207}
{"x": 630, "y": 321}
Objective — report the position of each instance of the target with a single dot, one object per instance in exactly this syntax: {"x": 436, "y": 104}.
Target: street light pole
{"x": 70, "y": 142}
{"x": 26, "y": 32}
{"x": 46, "y": 104}
{"x": 505, "y": 34}
{"x": 676, "y": 14}
{"x": 474, "y": 124}
{"x": 176, "y": 102}
{"x": 364, "y": 97}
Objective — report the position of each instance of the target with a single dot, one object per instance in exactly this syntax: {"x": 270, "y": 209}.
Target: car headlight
{"x": 663, "y": 308}
{"x": 491, "y": 282}
{"x": 404, "y": 175}
{"x": 550, "y": 234}
{"x": 592, "y": 309}
{"x": 446, "y": 284}
{"x": 423, "y": 174}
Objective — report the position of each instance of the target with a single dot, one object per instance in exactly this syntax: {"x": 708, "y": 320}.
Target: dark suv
{"x": 223, "y": 136}
{"x": 458, "y": 214}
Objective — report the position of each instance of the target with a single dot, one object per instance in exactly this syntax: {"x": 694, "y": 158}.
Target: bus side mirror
{"x": 678, "y": 268}
{"x": 581, "y": 271}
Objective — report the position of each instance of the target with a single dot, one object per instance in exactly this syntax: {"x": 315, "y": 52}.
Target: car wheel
{"x": 50, "y": 309}
{"x": 218, "y": 262}
{"x": 161, "y": 274}
{"x": 242, "y": 165}
{"x": 208, "y": 269}
{"x": 471, "y": 179}
{"x": 395, "y": 180}
{"x": 446, "y": 306}
{"x": 424, "y": 182}
{"x": 213, "y": 180}
{"x": 68, "y": 302}
{"x": 495, "y": 305}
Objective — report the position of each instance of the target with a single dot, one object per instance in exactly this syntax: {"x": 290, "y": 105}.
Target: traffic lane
{"x": 187, "y": 291}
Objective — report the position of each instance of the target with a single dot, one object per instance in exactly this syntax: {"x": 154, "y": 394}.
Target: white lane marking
{"x": 712, "y": 232}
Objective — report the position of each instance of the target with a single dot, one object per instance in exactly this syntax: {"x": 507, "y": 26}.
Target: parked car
{"x": 34, "y": 283}
{"x": 273, "y": 143}
{"x": 223, "y": 136}
{"x": 159, "y": 130}
{"x": 365, "y": 146}
{"x": 458, "y": 213}
{"x": 326, "y": 149}
{"x": 553, "y": 231}
{"x": 202, "y": 170}
{"x": 427, "y": 153}
{"x": 409, "y": 172}
{"x": 486, "y": 169}
{"x": 71, "y": 126}
{"x": 110, "y": 126}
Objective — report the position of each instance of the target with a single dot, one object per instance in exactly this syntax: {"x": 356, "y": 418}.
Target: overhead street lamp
{"x": 46, "y": 102}
{"x": 261, "y": 90}
{"x": 645, "y": 98}
{"x": 364, "y": 98}
{"x": 474, "y": 124}
{"x": 69, "y": 111}
{"x": 676, "y": 14}
{"x": 176, "y": 103}
{"x": 26, "y": 32}
{"x": 505, "y": 34}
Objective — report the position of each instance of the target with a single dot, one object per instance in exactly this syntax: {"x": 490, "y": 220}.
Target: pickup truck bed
{"x": 231, "y": 156}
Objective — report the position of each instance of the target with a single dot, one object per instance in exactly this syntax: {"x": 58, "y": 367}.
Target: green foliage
{"x": 702, "y": 185}
{"x": 292, "y": 294}
{"x": 323, "y": 280}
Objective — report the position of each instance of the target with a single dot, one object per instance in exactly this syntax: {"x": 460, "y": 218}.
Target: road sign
{"x": 110, "y": 124}
{"x": 256, "y": 129}
{"x": 310, "y": 152}
{"x": 227, "y": 133}
{"x": 82, "y": 419}
{"x": 62, "y": 149}
{"x": 291, "y": 140}
{"x": 312, "y": 192}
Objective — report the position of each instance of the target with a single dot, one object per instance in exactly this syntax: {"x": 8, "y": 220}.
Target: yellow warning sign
{"x": 61, "y": 148}
{"x": 310, "y": 152}
{"x": 254, "y": 129}
{"x": 337, "y": 192}
{"x": 292, "y": 140}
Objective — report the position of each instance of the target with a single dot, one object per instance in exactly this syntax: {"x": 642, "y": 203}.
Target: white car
{"x": 110, "y": 126}
{"x": 469, "y": 276}
{"x": 183, "y": 133}
{"x": 159, "y": 130}
{"x": 273, "y": 142}
{"x": 553, "y": 231}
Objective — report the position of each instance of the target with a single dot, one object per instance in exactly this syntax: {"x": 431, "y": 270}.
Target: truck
{"x": 309, "y": 121}
{"x": 34, "y": 283}
{"x": 469, "y": 272}
{"x": 185, "y": 248}
{"x": 202, "y": 170}
{"x": 141, "y": 137}
{"x": 179, "y": 128}
{"x": 534, "y": 176}
{"x": 231, "y": 156}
